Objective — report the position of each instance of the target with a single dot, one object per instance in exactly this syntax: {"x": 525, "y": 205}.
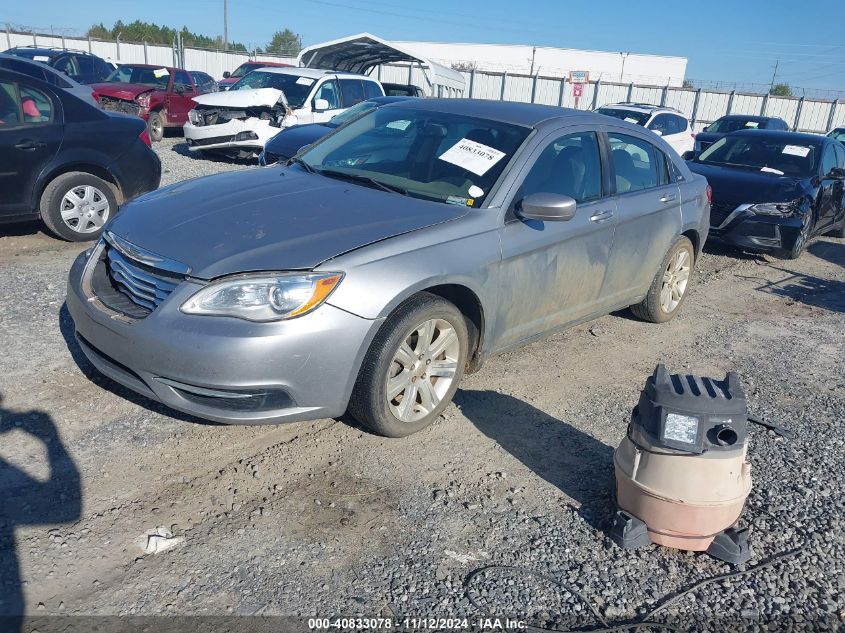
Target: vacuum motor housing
{"x": 681, "y": 472}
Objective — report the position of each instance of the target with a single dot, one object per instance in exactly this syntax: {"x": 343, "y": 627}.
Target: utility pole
{"x": 774, "y": 74}
{"x": 225, "y": 24}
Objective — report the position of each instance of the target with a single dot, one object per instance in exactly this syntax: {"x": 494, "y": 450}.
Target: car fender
{"x": 82, "y": 159}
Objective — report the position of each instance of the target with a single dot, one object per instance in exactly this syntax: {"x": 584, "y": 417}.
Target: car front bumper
{"x": 743, "y": 228}
{"x": 218, "y": 368}
{"x": 248, "y": 134}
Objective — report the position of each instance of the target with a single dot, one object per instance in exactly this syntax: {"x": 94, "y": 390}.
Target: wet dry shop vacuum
{"x": 682, "y": 477}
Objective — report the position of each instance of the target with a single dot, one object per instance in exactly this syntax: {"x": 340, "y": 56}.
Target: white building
{"x": 620, "y": 67}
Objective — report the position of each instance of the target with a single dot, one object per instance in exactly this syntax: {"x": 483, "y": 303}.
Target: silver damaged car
{"x": 385, "y": 261}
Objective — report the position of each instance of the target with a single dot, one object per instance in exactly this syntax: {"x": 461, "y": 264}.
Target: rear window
{"x": 631, "y": 116}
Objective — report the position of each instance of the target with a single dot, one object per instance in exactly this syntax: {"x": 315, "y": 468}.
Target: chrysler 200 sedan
{"x": 385, "y": 261}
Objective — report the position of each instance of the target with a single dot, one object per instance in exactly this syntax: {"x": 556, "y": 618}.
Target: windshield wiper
{"x": 298, "y": 161}
{"x": 342, "y": 175}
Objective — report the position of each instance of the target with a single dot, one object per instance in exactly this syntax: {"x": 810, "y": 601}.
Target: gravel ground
{"x": 501, "y": 507}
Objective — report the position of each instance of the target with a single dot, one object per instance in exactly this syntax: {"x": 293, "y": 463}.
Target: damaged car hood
{"x": 121, "y": 91}
{"x": 733, "y": 185}
{"x": 291, "y": 220}
{"x": 266, "y": 97}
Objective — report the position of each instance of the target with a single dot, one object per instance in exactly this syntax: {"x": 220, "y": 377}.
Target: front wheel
{"x": 155, "y": 125}
{"x": 669, "y": 287}
{"x": 802, "y": 239}
{"x": 413, "y": 367}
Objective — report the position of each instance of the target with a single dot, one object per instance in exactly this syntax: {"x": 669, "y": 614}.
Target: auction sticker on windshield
{"x": 160, "y": 72}
{"x": 472, "y": 156}
{"x": 796, "y": 150}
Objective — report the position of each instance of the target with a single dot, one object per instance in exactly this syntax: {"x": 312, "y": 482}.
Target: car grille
{"x": 719, "y": 211}
{"x": 143, "y": 285}
{"x": 120, "y": 105}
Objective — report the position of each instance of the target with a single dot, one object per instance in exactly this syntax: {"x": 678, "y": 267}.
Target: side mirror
{"x": 548, "y": 207}
{"x": 227, "y": 74}
{"x": 179, "y": 89}
{"x": 837, "y": 173}
{"x": 320, "y": 105}
{"x": 688, "y": 155}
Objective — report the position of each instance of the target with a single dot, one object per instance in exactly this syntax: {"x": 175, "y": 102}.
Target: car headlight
{"x": 773, "y": 208}
{"x": 193, "y": 117}
{"x": 266, "y": 297}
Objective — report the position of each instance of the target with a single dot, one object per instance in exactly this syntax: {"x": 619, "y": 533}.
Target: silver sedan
{"x": 387, "y": 260}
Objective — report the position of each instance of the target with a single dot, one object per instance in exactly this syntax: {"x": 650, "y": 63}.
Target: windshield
{"x": 447, "y": 158}
{"x": 243, "y": 69}
{"x": 640, "y": 118}
{"x": 295, "y": 87}
{"x": 777, "y": 156}
{"x": 723, "y": 126}
{"x": 352, "y": 113}
{"x": 145, "y": 75}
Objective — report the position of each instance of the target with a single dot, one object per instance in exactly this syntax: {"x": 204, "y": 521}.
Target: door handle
{"x": 601, "y": 216}
{"x": 29, "y": 145}
{"x": 669, "y": 197}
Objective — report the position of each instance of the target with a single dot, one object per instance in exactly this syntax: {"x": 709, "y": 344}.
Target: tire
{"x": 838, "y": 232}
{"x": 155, "y": 126}
{"x": 803, "y": 238}
{"x": 675, "y": 272}
{"x": 76, "y": 205}
{"x": 386, "y": 367}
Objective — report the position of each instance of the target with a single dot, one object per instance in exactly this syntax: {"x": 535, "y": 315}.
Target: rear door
{"x": 30, "y": 135}
{"x": 552, "y": 273}
{"x": 180, "y": 98}
{"x": 648, "y": 206}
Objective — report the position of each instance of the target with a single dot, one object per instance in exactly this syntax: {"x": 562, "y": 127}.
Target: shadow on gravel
{"x": 27, "y": 500}
{"x": 101, "y": 380}
{"x": 212, "y": 157}
{"x": 21, "y": 228}
{"x": 577, "y": 463}
{"x": 718, "y": 248}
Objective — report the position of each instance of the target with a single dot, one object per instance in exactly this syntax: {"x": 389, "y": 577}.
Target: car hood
{"x": 121, "y": 90}
{"x": 269, "y": 219}
{"x": 289, "y": 141}
{"x": 242, "y": 98}
{"x": 732, "y": 185}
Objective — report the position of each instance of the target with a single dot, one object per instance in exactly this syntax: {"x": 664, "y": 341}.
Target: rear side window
{"x": 352, "y": 92}
{"x": 36, "y": 106}
{"x": 570, "y": 165}
{"x": 371, "y": 89}
{"x": 662, "y": 123}
{"x": 634, "y": 163}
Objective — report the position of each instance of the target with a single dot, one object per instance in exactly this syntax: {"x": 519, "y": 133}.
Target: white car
{"x": 240, "y": 120}
{"x": 669, "y": 123}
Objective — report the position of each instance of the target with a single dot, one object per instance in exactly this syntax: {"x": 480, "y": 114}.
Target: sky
{"x": 738, "y": 41}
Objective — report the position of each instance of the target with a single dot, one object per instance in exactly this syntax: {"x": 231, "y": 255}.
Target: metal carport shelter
{"x": 361, "y": 53}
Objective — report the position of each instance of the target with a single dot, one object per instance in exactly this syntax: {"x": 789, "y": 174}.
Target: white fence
{"x": 700, "y": 106}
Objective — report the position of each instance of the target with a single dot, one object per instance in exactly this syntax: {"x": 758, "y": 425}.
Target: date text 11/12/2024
{"x": 416, "y": 624}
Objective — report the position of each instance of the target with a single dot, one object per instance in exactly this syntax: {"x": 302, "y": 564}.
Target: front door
{"x": 649, "y": 209}
{"x": 552, "y": 272}
{"x": 830, "y": 191}
{"x": 328, "y": 91}
{"x": 30, "y": 134}
{"x": 180, "y": 98}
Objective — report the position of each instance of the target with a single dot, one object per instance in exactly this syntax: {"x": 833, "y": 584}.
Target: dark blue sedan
{"x": 290, "y": 140}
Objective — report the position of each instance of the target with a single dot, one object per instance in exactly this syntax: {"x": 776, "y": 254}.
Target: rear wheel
{"x": 155, "y": 125}
{"x": 669, "y": 287}
{"x": 76, "y": 205}
{"x": 413, "y": 367}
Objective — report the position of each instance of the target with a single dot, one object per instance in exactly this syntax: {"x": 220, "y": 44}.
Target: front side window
{"x": 680, "y": 123}
{"x": 182, "y": 80}
{"x": 67, "y": 65}
{"x": 86, "y": 65}
{"x": 840, "y": 155}
{"x": 634, "y": 163}
{"x": 828, "y": 160}
{"x": 443, "y": 157}
{"x": 330, "y": 92}
{"x": 570, "y": 166}
{"x": 371, "y": 90}
{"x": 352, "y": 91}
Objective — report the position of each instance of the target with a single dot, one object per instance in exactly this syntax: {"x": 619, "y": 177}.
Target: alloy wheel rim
{"x": 802, "y": 235}
{"x": 422, "y": 370}
{"x": 85, "y": 209}
{"x": 675, "y": 280}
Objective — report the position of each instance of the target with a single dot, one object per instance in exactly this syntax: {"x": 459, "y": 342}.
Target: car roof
{"x": 749, "y": 117}
{"x": 393, "y": 99}
{"x": 524, "y": 114}
{"x": 313, "y": 73}
{"x": 783, "y": 135}
{"x": 46, "y": 51}
{"x": 643, "y": 107}
{"x": 42, "y": 65}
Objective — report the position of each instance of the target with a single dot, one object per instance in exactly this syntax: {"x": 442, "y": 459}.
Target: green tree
{"x": 687, "y": 84}
{"x": 285, "y": 43}
{"x": 139, "y": 31}
{"x": 781, "y": 90}
{"x": 99, "y": 32}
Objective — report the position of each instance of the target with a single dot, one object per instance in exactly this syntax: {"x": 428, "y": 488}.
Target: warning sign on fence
{"x": 578, "y": 78}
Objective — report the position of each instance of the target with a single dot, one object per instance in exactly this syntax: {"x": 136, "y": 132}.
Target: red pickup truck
{"x": 160, "y": 95}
